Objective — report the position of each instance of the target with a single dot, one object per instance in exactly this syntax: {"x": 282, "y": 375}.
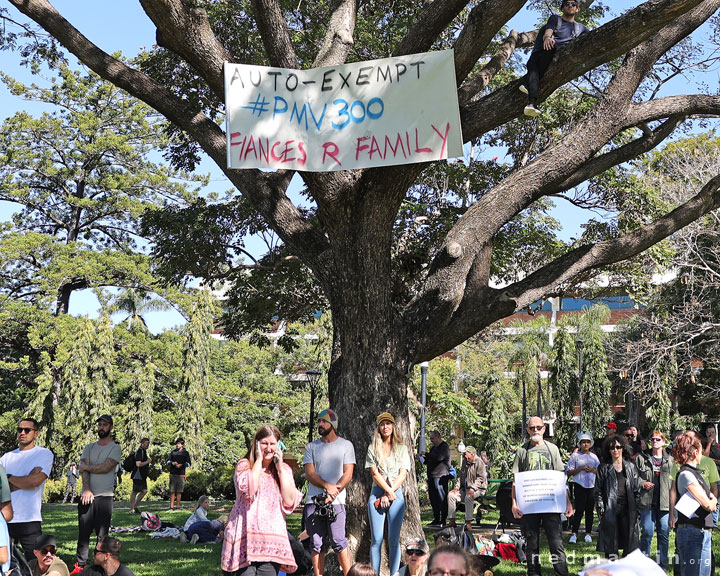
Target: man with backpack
{"x": 140, "y": 470}
{"x": 559, "y": 30}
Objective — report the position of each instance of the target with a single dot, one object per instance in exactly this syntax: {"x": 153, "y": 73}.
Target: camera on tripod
{"x": 324, "y": 509}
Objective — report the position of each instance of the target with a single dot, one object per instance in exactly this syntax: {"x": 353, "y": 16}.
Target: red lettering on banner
{"x": 417, "y": 144}
{"x": 331, "y": 149}
{"x": 444, "y": 137}
{"x": 360, "y": 147}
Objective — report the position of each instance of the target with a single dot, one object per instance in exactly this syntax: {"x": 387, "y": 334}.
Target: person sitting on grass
{"x": 107, "y": 560}
{"x": 199, "y": 514}
{"x": 46, "y": 561}
{"x": 207, "y": 532}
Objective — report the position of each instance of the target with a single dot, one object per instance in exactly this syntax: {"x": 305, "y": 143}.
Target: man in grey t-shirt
{"x": 329, "y": 464}
{"x": 97, "y": 466}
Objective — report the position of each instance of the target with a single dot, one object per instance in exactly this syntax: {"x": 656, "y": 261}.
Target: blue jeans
{"x": 395, "y": 515}
{"x": 693, "y": 547}
{"x": 652, "y": 520}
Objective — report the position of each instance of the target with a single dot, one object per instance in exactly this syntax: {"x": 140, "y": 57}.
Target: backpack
{"x": 129, "y": 463}
{"x": 150, "y": 521}
{"x": 558, "y": 22}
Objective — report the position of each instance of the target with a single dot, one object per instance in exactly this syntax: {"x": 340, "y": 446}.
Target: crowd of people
{"x": 23, "y": 473}
{"x": 638, "y": 488}
{"x": 637, "y": 491}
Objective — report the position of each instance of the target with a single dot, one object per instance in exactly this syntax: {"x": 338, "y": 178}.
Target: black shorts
{"x": 139, "y": 485}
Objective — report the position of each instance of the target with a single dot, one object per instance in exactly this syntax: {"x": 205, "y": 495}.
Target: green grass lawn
{"x": 156, "y": 557}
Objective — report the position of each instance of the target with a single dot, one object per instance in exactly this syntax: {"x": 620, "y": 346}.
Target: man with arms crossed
{"x": 27, "y": 468}
{"x": 329, "y": 464}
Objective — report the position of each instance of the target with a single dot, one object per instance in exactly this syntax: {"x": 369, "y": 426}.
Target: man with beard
{"x": 536, "y": 455}
{"x": 27, "y": 468}
{"x": 329, "y": 464}
{"x": 97, "y": 466}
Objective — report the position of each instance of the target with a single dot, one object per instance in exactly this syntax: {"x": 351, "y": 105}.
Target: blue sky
{"x": 124, "y": 26}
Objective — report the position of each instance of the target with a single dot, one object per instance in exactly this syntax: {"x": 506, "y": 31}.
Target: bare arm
{"x": 32, "y": 480}
{"x": 288, "y": 491}
{"x": 3, "y": 554}
{"x": 708, "y": 503}
{"x": 7, "y": 511}
{"x": 313, "y": 478}
{"x": 107, "y": 466}
{"x": 673, "y": 499}
{"x": 348, "y": 470}
{"x": 399, "y": 480}
{"x": 380, "y": 480}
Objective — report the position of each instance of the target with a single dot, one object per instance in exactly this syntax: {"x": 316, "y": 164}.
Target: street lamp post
{"x": 423, "y": 391}
{"x": 579, "y": 346}
{"x": 313, "y": 378}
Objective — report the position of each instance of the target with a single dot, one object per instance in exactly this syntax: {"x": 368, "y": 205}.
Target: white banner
{"x": 540, "y": 491}
{"x": 376, "y": 113}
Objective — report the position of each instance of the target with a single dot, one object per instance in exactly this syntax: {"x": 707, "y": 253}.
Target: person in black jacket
{"x": 438, "y": 474}
{"x": 617, "y": 490}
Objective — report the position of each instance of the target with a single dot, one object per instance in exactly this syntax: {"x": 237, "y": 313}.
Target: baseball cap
{"x": 107, "y": 419}
{"x": 329, "y": 416}
{"x": 417, "y": 544}
{"x": 611, "y": 425}
{"x": 44, "y": 540}
{"x": 385, "y": 416}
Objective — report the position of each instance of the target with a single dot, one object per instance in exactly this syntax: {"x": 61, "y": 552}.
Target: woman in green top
{"x": 389, "y": 463}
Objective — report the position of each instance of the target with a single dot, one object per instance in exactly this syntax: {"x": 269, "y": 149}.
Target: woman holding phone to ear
{"x": 256, "y": 541}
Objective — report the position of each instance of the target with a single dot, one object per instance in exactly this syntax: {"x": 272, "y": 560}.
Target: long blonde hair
{"x": 377, "y": 443}
{"x": 201, "y": 501}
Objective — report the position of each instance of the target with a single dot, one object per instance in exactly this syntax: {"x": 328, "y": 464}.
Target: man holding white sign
{"x": 542, "y": 497}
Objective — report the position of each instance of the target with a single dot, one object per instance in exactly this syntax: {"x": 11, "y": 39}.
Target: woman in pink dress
{"x": 256, "y": 541}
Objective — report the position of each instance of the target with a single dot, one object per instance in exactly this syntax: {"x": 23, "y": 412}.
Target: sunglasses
{"x": 617, "y": 447}
{"x": 98, "y": 551}
{"x": 414, "y": 552}
{"x": 655, "y": 439}
{"x": 628, "y": 435}
{"x": 536, "y": 427}
{"x": 570, "y": 4}
{"x": 48, "y": 550}
{"x": 24, "y": 429}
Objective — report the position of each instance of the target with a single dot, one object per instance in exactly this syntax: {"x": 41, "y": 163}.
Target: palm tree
{"x": 135, "y": 302}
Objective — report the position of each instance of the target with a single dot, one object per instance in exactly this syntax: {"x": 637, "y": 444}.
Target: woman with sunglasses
{"x": 416, "y": 556}
{"x": 654, "y": 469}
{"x": 617, "y": 490}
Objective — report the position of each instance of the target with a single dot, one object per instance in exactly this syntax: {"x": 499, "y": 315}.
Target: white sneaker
{"x": 588, "y": 538}
{"x": 531, "y": 110}
{"x": 194, "y": 538}
{"x": 573, "y": 538}
{"x": 523, "y": 88}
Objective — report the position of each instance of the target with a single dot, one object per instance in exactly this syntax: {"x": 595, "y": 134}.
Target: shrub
{"x": 160, "y": 489}
{"x": 54, "y": 490}
{"x": 196, "y": 484}
{"x": 221, "y": 484}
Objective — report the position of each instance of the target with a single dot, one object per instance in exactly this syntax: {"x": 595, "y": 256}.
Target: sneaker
{"x": 183, "y": 537}
{"x": 588, "y": 538}
{"x": 434, "y": 524}
{"x": 523, "y": 88}
{"x": 531, "y": 110}
{"x": 77, "y": 569}
{"x": 194, "y": 538}
{"x": 573, "y": 538}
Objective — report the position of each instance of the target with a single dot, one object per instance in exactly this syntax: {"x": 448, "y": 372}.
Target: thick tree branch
{"x": 339, "y": 36}
{"x": 274, "y": 33}
{"x": 484, "y": 22}
{"x": 686, "y": 104}
{"x": 609, "y": 252}
{"x": 461, "y": 267}
{"x": 641, "y": 145}
{"x": 436, "y": 16}
{"x": 606, "y": 43}
{"x": 183, "y": 28}
{"x": 266, "y": 190}
{"x": 477, "y": 82}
